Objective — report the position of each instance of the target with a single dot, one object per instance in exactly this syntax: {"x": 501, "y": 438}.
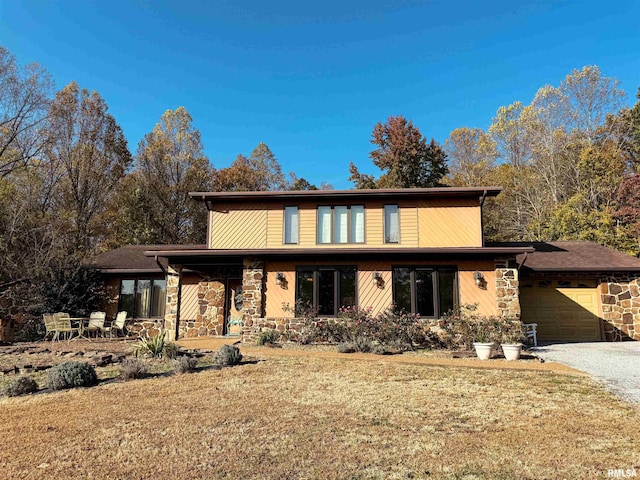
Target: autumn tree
{"x": 258, "y": 172}
{"x": 472, "y": 155}
{"x": 25, "y": 94}
{"x": 88, "y": 146}
{"x": 404, "y": 156}
{"x": 170, "y": 163}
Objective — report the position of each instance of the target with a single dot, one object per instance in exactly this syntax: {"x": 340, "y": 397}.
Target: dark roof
{"x": 131, "y": 258}
{"x": 574, "y": 257}
{"x": 347, "y": 194}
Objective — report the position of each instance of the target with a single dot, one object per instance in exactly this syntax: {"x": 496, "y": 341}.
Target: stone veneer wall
{"x": 620, "y": 296}
{"x": 210, "y": 317}
{"x": 173, "y": 301}
{"x": 507, "y": 289}
{"x": 252, "y": 282}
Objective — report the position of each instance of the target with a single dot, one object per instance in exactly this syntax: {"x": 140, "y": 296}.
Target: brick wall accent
{"x": 507, "y": 289}
{"x": 620, "y": 296}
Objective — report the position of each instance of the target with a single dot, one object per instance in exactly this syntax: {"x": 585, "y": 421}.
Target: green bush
{"x": 185, "y": 364}
{"x": 132, "y": 368}
{"x": 21, "y": 386}
{"x": 70, "y": 375}
{"x": 268, "y": 335}
{"x": 228, "y": 355}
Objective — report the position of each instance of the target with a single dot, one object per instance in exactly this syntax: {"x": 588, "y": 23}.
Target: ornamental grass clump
{"x": 228, "y": 355}
{"x": 70, "y": 375}
{"x": 155, "y": 347}
{"x": 21, "y": 386}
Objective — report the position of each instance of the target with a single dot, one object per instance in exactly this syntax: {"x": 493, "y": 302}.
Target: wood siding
{"x": 238, "y": 226}
{"x": 379, "y": 298}
{"x": 189, "y": 300}
{"x": 450, "y": 222}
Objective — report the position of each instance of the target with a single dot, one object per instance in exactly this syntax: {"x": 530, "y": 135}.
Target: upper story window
{"x": 291, "y": 225}
{"x": 391, "y": 224}
{"x": 341, "y": 224}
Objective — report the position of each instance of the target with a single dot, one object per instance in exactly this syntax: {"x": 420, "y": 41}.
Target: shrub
{"x": 466, "y": 326}
{"x": 185, "y": 364}
{"x": 228, "y": 355}
{"x": 268, "y": 336}
{"x": 150, "y": 346}
{"x": 132, "y": 368}
{"x": 512, "y": 331}
{"x": 363, "y": 344}
{"x": 379, "y": 349}
{"x": 70, "y": 375}
{"x": 21, "y": 386}
{"x": 171, "y": 350}
{"x": 346, "y": 347}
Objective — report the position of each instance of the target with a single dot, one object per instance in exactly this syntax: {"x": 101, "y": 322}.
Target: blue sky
{"x": 311, "y": 79}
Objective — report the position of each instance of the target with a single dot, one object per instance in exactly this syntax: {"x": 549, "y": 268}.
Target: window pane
{"x": 290, "y": 224}
{"x": 347, "y": 295}
{"x": 357, "y": 224}
{"x": 127, "y": 291}
{"x": 402, "y": 289}
{"x": 324, "y": 224}
{"x": 158, "y": 298}
{"x": 424, "y": 293}
{"x": 391, "y": 230}
{"x": 326, "y": 292}
{"x": 304, "y": 287}
{"x": 143, "y": 298}
{"x": 341, "y": 224}
{"x": 447, "y": 282}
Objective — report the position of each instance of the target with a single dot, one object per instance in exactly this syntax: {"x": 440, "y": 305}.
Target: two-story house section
{"x": 421, "y": 250}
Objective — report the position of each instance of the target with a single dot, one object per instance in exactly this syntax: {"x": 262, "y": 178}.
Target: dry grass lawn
{"x": 290, "y": 416}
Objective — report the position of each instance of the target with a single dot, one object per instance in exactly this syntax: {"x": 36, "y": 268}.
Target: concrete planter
{"x": 511, "y": 350}
{"x": 483, "y": 350}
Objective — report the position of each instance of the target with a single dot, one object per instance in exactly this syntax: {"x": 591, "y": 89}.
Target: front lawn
{"x": 314, "y": 417}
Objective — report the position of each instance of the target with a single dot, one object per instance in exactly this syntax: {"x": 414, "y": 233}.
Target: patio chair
{"x": 96, "y": 322}
{"x": 531, "y": 332}
{"x": 63, "y": 325}
{"x": 116, "y": 325}
{"x": 234, "y": 325}
{"x": 49, "y": 325}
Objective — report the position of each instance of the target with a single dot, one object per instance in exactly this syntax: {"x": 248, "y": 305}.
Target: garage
{"x": 565, "y": 309}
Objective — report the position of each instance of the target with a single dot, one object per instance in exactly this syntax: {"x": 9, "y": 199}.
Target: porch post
{"x": 252, "y": 276}
{"x": 507, "y": 289}
{"x": 172, "y": 307}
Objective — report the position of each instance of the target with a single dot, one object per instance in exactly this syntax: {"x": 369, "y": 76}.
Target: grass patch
{"x": 297, "y": 417}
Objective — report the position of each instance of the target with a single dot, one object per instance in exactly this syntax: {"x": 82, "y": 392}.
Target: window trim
{"x": 436, "y": 286}
{"x": 134, "y": 313}
{"x": 386, "y": 227}
{"x": 284, "y": 225}
{"x": 332, "y": 226}
{"x": 315, "y": 269}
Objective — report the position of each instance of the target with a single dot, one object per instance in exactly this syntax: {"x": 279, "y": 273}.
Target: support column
{"x": 507, "y": 289}
{"x": 172, "y": 307}
{"x": 252, "y": 277}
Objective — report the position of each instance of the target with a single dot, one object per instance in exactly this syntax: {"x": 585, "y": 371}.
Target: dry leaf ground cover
{"x": 314, "y": 416}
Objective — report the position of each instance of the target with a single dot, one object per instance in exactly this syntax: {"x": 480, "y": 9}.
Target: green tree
{"x": 170, "y": 163}
{"x": 404, "y": 155}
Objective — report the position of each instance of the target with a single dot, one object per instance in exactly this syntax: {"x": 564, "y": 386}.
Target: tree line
{"x": 70, "y": 187}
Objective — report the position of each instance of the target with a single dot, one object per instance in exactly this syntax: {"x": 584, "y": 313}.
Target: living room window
{"x": 391, "y": 224}
{"x": 341, "y": 224}
{"x": 291, "y": 225}
{"x": 143, "y": 298}
{"x": 428, "y": 291}
{"x": 326, "y": 289}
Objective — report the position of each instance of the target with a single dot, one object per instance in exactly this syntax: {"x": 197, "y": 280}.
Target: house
{"x": 419, "y": 249}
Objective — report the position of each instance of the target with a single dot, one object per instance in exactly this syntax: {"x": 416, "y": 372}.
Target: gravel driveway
{"x": 616, "y": 364}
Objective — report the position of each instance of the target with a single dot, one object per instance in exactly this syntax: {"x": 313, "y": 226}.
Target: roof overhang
{"x": 399, "y": 193}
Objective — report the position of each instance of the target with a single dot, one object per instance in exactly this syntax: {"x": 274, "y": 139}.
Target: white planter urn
{"x": 483, "y": 350}
{"x": 511, "y": 350}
